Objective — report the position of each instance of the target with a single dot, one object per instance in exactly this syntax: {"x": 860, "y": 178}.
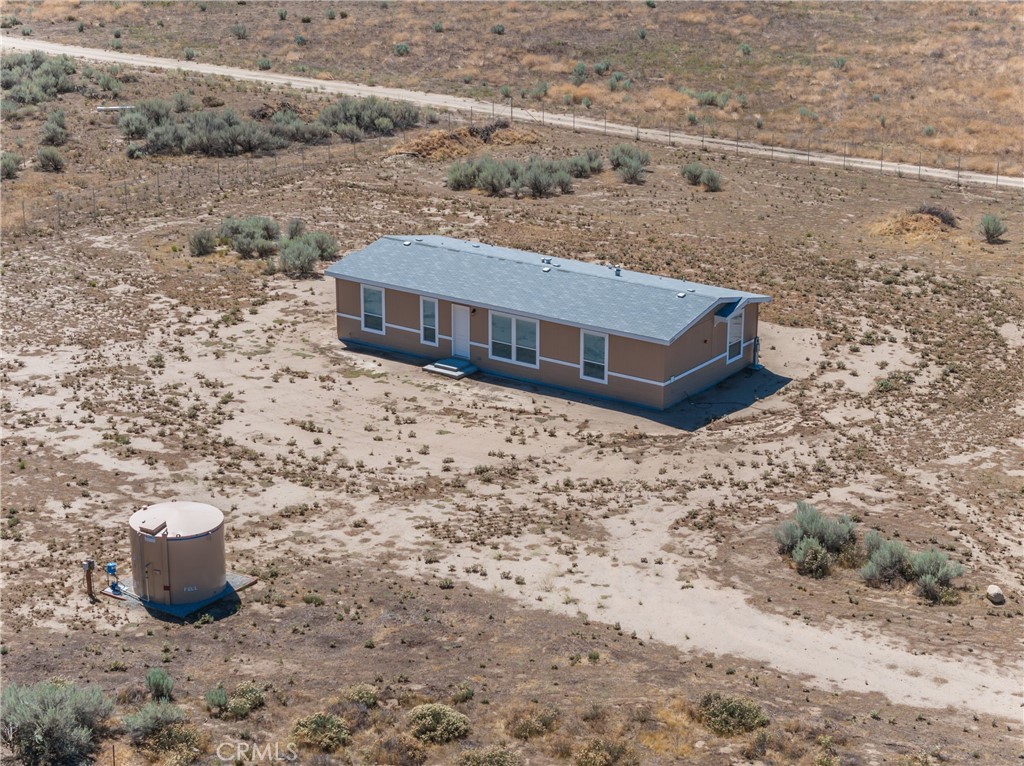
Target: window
{"x": 594, "y": 354}
{"x": 373, "y": 309}
{"x": 428, "y": 321}
{"x": 735, "y": 340}
{"x": 514, "y": 339}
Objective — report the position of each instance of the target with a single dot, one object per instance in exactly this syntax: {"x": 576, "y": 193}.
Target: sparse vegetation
{"x": 727, "y": 716}
{"x": 49, "y": 159}
{"x": 10, "y": 164}
{"x": 48, "y": 724}
{"x": 814, "y": 540}
{"x": 531, "y": 721}
{"x": 160, "y": 685}
{"x": 993, "y": 229}
{"x": 606, "y": 752}
{"x": 437, "y": 724}
{"x": 322, "y": 731}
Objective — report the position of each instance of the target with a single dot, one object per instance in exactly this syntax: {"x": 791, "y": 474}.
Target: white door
{"x": 460, "y": 331}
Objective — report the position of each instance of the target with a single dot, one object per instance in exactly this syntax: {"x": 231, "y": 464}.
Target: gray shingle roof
{"x": 571, "y": 292}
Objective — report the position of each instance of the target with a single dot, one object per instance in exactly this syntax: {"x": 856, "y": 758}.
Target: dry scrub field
{"x": 917, "y": 81}
{"x": 421, "y": 535}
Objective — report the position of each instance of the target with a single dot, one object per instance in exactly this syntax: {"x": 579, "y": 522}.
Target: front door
{"x": 460, "y": 331}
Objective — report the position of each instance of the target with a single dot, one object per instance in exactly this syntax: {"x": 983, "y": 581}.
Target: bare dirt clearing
{"x": 133, "y": 372}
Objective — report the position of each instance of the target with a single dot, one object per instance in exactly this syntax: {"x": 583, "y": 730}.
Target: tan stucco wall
{"x": 626, "y": 356}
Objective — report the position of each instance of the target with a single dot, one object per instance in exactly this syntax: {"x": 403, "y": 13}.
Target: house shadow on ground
{"x": 737, "y": 393}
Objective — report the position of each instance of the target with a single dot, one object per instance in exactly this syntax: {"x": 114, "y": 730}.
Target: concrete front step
{"x": 455, "y": 369}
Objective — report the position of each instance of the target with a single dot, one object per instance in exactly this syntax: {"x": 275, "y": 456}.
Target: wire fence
{"x": 189, "y": 180}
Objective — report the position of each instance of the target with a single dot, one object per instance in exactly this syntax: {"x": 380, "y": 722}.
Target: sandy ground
{"x": 133, "y": 373}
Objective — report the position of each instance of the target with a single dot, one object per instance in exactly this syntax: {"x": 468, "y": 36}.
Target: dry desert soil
{"x": 541, "y": 549}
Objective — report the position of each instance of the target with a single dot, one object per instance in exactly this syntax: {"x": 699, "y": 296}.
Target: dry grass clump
{"x": 398, "y": 750}
{"x": 921, "y": 223}
{"x": 449, "y": 145}
{"x": 534, "y": 721}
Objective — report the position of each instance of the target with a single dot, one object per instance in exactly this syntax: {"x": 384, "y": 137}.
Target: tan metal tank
{"x": 178, "y": 552}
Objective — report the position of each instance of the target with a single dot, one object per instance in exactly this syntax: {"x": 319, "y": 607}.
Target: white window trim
{"x": 514, "y": 318}
{"x": 729, "y": 359}
{"x": 383, "y": 310}
{"x": 437, "y": 334}
{"x": 583, "y": 361}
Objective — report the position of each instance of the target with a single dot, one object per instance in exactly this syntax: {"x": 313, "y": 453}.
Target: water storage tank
{"x": 178, "y": 552}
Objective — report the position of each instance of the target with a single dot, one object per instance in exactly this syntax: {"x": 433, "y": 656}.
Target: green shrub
{"x": 160, "y": 685}
{"x": 402, "y": 49}
{"x": 263, "y": 64}
{"x": 295, "y": 228}
{"x": 563, "y": 181}
{"x": 437, "y": 723}
{"x": 630, "y": 171}
{"x": 889, "y": 563}
{"x": 579, "y": 73}
{"x": 216, "y": 700}
{"x": 492, "y": 176}
{"x": 301, "y": 40}
{"x": 50, "y": 160}
{"x": 282, "y": 13}
{"x": 811, "y": 558}
{"x": 928, "y": 587}
{"x": 323, "y": 731}
{"x": 595, "y": 159}
{"x": 53, "y": 132}
{"x": 539, "y": 179}
{"x": 710, "y": 180}
{"x": 331, "y": 13}
{"x": 201, "y": 242}
{"x": 134, "y": 124}
{"x": 621, "y": 153}
{"x": 726, "y": 715}
{"x": 605, "y": 752}
{"x": 240, "y": 31}
{"x": 744, "y": 49}
{"x": 326, "y": 245}
{"x": 363, "y": 694}
{"x": 248, "y": 696}
{"x": 437, "y": 26}
{"x": 935, "y": 564}
{"x": 788, "y": 535}
{"x": 10, "y": 164}
{"x": 498, "y": 29}
{"x": 298, "y": 259}
{"x": 189, "y": 54}
{"x": 490, "y": 756}
{"x": 351, "y": 133}
{"x": 461, "y": 176}
{"x": 872, "y": 542}
{"x": 364, "y": 113}
{"x": 49, "y": 724}
{"x": 533, "y": 721}
{"x": 463, "y": 693}
{"x": 992, "y": 228}
{"x": 692, "y": 172}
{"x": 602, "y": 67}
{"x": 835, "y": 535}
{"x": 619, "y": 81}
{"x": 152, "y": 718}
{"x": 398, "y": 750}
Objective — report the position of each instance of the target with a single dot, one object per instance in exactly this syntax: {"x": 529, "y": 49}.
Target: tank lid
{"x": 177, "y": 519}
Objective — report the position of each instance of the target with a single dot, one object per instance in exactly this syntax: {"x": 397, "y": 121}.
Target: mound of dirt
{"x": 442, "y": 145}
{"x": 916, "y": 225}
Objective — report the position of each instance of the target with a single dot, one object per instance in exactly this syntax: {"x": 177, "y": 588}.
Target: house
{"x": 598, "y": 330}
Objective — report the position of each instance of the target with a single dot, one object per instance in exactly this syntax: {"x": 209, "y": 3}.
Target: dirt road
{"x": 445, "y": 102}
